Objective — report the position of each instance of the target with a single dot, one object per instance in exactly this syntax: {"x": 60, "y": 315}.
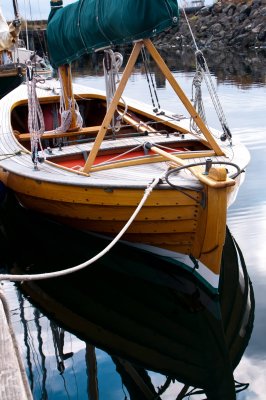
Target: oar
{"x": 140, "y": 125}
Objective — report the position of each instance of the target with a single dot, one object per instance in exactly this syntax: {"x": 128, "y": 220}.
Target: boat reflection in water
{"x": 147, "y": 314}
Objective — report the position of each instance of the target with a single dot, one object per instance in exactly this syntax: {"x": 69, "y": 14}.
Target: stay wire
{"x": 200, "y": 60}
{"x": 150, "y": 80}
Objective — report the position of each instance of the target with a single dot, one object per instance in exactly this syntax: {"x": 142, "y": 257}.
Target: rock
{"x": 230, "y": 9}
{"x": 262, "y": 35}
{"x": 228, "y": 23}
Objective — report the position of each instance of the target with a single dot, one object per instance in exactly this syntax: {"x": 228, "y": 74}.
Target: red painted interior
{"x": 104, "y": 158}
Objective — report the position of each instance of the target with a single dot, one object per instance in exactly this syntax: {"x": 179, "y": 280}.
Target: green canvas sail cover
{"x": 87, "y": 25}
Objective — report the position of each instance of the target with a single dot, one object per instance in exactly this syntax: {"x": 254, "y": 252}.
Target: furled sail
{"x": 8, "y": 33}
{"x": 88, "y": 25}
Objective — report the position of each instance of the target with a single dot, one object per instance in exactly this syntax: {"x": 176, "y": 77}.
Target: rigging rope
{"x": 32, "y": 277}
{"x": 197, "y": 96}
{"x": 35, "y": 116}
{"x": 9, "y": 155}
{"x": 112, "y": 62}
{"x": 150, "y": 79}
{"x": 201, "y": 65}
{"x": 66, "y": 112}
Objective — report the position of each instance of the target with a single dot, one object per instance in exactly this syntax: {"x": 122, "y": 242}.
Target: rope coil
{"x": 112, "y": 62}
{"x": 35, "y": 116}
{"x": 66, "y": 112}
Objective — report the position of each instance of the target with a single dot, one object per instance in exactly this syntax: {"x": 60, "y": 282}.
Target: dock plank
{"x": 13, "y": 379}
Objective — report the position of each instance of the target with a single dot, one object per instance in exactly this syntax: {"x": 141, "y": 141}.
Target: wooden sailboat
{"x": 114, "y": 166}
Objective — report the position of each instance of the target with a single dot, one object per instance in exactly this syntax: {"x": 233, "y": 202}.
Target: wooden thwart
{"x": 53, "y": 134}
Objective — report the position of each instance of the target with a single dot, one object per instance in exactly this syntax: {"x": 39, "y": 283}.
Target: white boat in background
{"x": 11, "y": 70}
{"x": 14, "y": 56}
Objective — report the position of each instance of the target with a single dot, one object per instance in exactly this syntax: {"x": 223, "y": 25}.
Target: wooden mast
{"x": 66, "y": 82}
{"x": 15, "y": 7}
{"x": 67, "y": 88}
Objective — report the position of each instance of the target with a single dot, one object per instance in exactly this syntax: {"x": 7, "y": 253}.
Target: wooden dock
{"x": 13, "y": 379}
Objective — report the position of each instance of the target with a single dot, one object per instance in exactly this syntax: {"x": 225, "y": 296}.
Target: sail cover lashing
{"x": 89, "y": 25}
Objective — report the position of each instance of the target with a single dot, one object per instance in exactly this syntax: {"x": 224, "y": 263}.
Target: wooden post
{"x": 66, "y": 77}
{"x": 210, "y": 233}
{"x": 110, "y": 112}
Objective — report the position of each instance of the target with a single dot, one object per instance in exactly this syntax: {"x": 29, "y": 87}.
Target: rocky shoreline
{"x": 225, "y": 24}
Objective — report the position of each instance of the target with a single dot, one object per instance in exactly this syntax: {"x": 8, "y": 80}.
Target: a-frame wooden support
{"x": 168, "y": 75}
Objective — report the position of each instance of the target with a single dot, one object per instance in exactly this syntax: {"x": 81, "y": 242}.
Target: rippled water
{"x": 244, "y": 104}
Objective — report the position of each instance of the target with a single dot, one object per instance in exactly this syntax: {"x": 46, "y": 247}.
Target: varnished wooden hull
{"x": 169, "y": 220}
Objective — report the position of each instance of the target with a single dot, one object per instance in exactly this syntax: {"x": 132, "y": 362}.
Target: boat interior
{"x": 125, "y": 138}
